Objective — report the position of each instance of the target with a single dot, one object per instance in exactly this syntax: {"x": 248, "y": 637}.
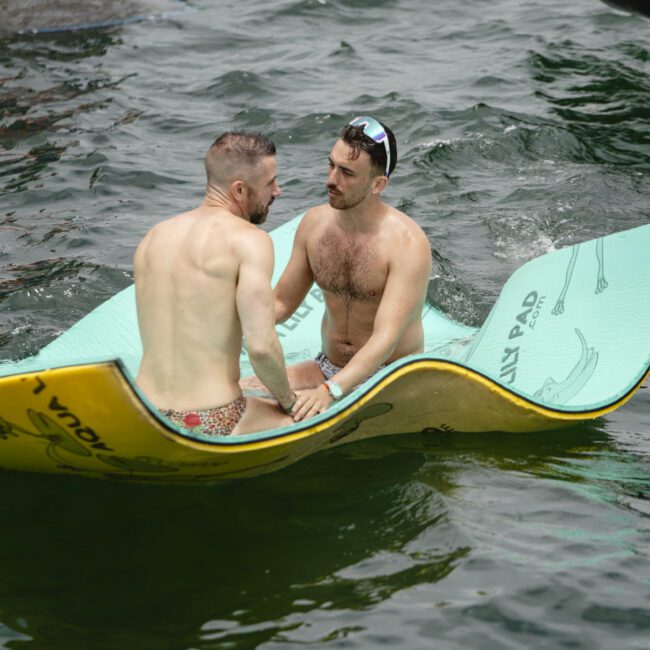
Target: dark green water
{"x": 522, "y": 127}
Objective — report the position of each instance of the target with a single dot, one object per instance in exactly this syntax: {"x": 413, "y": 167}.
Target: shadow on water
{"x": 96, "y": 564}
{"x": 160, "y": 562}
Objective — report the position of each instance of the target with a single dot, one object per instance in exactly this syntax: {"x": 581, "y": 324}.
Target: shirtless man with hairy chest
{"x": 372, "y": 263}
{"x": 352, "y": 267}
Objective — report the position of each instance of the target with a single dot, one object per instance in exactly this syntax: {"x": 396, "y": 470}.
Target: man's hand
{"x": 287, "y": 407}
{"x": 310, "y": 402}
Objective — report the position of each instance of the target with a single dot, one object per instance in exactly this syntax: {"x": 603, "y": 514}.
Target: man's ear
{"x": 238, "y": 190}
{"x": 379, "y": 184}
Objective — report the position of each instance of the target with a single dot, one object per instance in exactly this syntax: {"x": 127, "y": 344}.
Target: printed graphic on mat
{"x": 61, "y": 447}
{"x": 601, "y": 282}
{"x": 56, "y": 439}
{"x": 560, "y": 392}
{"x": 355, "y": 422}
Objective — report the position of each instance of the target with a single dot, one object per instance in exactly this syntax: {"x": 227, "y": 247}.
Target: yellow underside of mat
{"x": 87, "y": 420}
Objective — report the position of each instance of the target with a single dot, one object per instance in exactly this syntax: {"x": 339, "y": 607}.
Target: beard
{"x": 340, "y": 202}
{"x": 258, "y": 216}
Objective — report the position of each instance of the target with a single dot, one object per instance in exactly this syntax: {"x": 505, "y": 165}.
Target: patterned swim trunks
{"x": 329, "y": 369}
{"x": 326, "y": 366}
{"x": 217, "y": 421}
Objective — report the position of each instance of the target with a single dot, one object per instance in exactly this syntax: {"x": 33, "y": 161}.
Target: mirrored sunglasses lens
{"x": 373, "y": 130}
{"x": 376, "y": 135}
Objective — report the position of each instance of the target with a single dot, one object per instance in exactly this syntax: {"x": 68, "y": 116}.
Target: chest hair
{"x": 346, "y": 266}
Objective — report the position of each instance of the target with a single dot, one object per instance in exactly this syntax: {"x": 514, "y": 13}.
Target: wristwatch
{"x": 335, "y": 391}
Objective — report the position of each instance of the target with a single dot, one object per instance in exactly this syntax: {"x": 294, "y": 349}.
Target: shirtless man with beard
{"x": 372, "y": 263}
{"x": 203, "y": 281}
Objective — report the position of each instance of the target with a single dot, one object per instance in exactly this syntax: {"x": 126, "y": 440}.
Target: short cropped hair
{"x": 234, "y": 155}
{"x": 359, "y": 141}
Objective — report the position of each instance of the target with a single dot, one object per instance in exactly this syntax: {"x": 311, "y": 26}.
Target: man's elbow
{"x": 285, "y": 307}
{"x": 261, "y": 350}
{"x": 281, "y": 312}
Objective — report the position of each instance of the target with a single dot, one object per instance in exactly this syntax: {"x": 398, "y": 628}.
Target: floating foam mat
{"x": 568, "y": 340}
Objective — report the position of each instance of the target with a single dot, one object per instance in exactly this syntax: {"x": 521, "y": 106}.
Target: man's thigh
{"x": 261, "y": 415}
{"x": 305, "y": 374}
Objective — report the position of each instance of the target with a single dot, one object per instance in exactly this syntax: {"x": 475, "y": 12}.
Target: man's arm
{"x": 297, "y": 277}
{"x": 401, "y": 304}
{"x": 254, "y": 299}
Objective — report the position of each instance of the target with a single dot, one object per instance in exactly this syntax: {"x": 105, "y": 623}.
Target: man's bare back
{"x": 203, "y": 282}
{"x": 187, "y": 268}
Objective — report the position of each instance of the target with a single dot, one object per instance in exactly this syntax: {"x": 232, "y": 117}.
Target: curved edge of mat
{"x": 91, "y": 420}
{"x": 542, "y": 409}
{"x": 420, "y": 364}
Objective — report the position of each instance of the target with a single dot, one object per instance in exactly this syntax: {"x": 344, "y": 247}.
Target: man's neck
{"x": 216, "y": 199}
{"x": 364, "y": 217}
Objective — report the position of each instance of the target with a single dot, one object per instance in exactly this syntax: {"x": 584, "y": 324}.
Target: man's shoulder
{"x": 239, "y": 243}
{"x": 249, "y": 238}
{"x": 316, "y": 214}
{"x": 223, "y": 233}
{"x": 170, "y": 225}
{"x": 407, "y": 242}
{"x": 315, "y": 220}
{"x": 399, "y": 222}
{"x": 160, "y": 230}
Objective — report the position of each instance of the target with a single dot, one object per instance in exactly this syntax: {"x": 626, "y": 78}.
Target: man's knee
{"x": 261, "y": 415}
{"x": 305, "y": 374}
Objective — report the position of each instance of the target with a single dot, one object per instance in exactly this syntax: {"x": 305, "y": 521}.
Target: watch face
{"x": 335, "y": 390}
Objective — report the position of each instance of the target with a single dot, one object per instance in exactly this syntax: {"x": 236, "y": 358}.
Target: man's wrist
{"x": 291, "y": 401}
{"x": 335, "y": 391}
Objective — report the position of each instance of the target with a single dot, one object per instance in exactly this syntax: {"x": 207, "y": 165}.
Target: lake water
{"x": 522, "y": 127}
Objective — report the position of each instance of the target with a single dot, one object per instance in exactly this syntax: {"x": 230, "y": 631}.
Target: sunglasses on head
{"x": 375, "y": 132}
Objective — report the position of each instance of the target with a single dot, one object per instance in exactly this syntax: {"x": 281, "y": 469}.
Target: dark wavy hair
{"x": 359, "y": 141}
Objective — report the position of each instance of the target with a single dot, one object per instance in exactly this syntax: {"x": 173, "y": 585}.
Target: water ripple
{"x": 521, "y": 127}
